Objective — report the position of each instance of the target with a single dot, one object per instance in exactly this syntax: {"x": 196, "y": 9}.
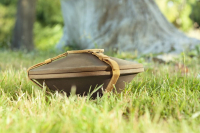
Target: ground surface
{"x": 162, "y": 99}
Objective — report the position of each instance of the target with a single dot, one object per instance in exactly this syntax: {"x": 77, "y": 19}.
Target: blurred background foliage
{"x": 184, "y": 14}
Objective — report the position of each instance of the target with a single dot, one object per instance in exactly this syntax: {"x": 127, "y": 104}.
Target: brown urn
{"x": 84, "y": 70}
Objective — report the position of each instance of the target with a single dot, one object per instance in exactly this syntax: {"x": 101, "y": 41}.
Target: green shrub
{"x": 49, "y": 12}
{"x": 8, "y": 2}
{"x": 195, "y": 14}
{"x": 7, "y": 17}
{"x": 47, "y": 28}
{"x": 178, "y": 12}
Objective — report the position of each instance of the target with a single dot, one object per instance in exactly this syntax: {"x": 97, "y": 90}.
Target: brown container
{"x": 84, "y": 69}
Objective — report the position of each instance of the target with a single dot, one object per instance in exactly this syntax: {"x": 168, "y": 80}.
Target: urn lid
{"x": 83, "y": 62}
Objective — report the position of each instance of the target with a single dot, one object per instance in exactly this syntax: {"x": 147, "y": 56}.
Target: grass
{"x": 161, "y": 99}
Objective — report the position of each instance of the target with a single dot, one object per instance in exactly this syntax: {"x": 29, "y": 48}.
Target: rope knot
{"x": 48, "y": 61}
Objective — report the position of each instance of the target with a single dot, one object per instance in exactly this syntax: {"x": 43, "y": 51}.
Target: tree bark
{"x": 126, "y": 25}
{"x": 23, "y": 30}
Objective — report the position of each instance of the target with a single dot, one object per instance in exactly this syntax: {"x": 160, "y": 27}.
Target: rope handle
{"x": 65, "y": 54}
{"x": 96, "y": 52}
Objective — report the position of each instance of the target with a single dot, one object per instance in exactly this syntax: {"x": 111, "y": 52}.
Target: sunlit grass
{"x": 161, "y": 99}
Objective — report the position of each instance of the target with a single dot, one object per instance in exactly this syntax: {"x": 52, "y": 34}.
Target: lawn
{"x": 161, "y": 99}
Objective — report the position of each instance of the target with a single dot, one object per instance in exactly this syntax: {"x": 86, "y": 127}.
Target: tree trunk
{"x": 23, "y": 31}
{"x": 126, "y": 25}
